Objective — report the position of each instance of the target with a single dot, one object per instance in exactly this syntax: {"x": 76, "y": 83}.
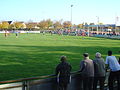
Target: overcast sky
{"x": 82, "y": 10}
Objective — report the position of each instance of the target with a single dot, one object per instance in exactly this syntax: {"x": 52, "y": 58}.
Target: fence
{"x": 108, "y": 36}
{"x": 43, "y": 83}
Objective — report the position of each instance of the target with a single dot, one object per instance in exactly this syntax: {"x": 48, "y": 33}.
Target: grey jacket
{"x": 87, "y": 68}
{"x": 99, "y": 67}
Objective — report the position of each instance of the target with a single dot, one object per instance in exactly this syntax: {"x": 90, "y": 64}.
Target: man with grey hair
{"x": 99, "y": 71}
{"x": 63, "y": 73}
{"x": 87, "y": 72}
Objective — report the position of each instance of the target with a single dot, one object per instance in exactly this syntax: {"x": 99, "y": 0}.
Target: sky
{"x": 82, "y": 10}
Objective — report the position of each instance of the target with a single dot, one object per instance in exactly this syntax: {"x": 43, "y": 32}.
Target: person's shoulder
{"x": 107, "y": 57}
{"x": 95, "y": 60}
{"x": 90, "y": 60}
{"x": 82, "y": 61}
{"x": 114, "y": 56}
{"x": 98, "y": 60}
{"x": 87, "y": 61}
{"x": 111, "y": 57}
{"x": 101, "y": 59}
{"x": 67, "y": 63}
{"x": 59, "y": 64}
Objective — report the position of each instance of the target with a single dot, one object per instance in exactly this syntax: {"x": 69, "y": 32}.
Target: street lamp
{"x": 97, "y": 23}
{"x": 71, "y": 16}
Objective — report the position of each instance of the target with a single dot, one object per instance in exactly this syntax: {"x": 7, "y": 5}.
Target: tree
{"x": 85, "y": 25}
{"x": 11, "y": 26}
{"x": 80, "y": 26}
{"x": 18, "y": 25}
{"x": 49, "y": 23}
{"x": 4, "y": 25}
{"x": 0, "y": 25}
{"x": 67, "y": 24}
{"x": 57, "y": 25}
{"x": 43, "y": 24}
{"x": 30, "y": 25}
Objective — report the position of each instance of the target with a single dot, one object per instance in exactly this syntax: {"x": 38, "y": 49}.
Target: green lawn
{"x": 32, "y": 55}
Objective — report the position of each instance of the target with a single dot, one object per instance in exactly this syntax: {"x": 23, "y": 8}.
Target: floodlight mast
{"x": 97, "y": 23}
{"x": 71, "y": 15}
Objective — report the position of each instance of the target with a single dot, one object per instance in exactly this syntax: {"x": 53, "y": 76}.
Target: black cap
{"x": 85, "y": 54}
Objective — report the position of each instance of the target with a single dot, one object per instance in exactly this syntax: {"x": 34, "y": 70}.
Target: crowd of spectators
{"x": 91, "y": 71}
{"x": 74, "y": 32}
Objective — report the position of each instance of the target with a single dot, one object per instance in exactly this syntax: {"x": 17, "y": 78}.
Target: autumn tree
{"x": 31, "y": 25}
{"x": 18, "y": 25}
{"x": 80, "y": 26}
{"x": 0, "y": 25}
{"x": 49, "y": 23}
{"x": 43, "y": 24}
{"x": 58, "y": 25}
{"x": 11, "y": 26}
{"x": 4, "y": 25}
{"x": 85, "y": 25}
{"x": 67, "y": 24}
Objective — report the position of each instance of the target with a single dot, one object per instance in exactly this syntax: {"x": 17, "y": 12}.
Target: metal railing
{"x": 42, "y": 83}
{"x": 23, "y": 83}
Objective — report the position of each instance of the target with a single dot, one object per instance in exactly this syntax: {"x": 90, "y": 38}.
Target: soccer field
{"x": 32, "y": 55}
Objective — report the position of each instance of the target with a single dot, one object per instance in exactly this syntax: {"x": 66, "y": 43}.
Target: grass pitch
{"x": 32, "y": 55}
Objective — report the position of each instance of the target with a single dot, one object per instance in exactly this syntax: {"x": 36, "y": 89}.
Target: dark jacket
{"x": 99, "y": 67}
{"x": 63, "y": 72}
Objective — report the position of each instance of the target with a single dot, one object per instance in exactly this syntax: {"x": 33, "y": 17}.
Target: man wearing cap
{"x": 87, "y": 72}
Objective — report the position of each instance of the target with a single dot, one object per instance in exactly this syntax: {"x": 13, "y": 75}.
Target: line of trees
{"x": 42, "y": 25}
{"x": 46, "y": 25}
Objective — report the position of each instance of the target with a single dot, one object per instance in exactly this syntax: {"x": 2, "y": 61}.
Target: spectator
{"x": 99, "y": 74}
{"x": 114, "y": 70}
{"x": 16, "y": 33}
{"x": 87, "y": 72}
{"x": 6, "y": 33}
{"x": 63, "y": 72}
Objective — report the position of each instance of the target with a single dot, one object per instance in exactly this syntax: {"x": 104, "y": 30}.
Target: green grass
{"x": 32, "y": 55}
